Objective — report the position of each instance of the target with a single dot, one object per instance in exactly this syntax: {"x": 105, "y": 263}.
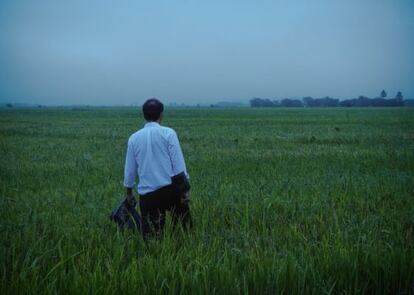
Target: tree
{"x": 329, "y": 102}
{"x": 363, "y": 101}
{"x": 383, "y": 93}
{"x": 9, "y": 105}
{"x": 287, "y": 102}
{"x": 399, "y": 96}
{"x": 261, "y": 102}
{"x": 308, "y": 101}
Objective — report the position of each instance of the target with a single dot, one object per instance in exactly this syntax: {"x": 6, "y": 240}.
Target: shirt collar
{"x": 151, "y": 123}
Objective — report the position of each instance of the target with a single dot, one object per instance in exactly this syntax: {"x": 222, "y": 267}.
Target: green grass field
{"x": 284, "y": 201}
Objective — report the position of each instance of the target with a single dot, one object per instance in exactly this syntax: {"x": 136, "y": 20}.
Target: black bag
{"x": 125, "y": 215}
{"x": 180, "y": 183}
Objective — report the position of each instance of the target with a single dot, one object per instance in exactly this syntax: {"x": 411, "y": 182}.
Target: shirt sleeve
{"x": 130, "y": 167}
{"x": 176, "y": 155}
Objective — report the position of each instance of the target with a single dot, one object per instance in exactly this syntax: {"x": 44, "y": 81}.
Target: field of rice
{"x": 314, "y": 201}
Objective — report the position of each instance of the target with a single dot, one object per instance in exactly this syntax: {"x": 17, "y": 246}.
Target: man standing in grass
{"x": 154, "y": 155}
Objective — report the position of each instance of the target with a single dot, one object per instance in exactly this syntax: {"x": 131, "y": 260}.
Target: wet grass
{"x": 284, "y": 201}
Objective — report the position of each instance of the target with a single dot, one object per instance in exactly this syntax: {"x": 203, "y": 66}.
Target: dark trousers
{"x": 154, "y": 206}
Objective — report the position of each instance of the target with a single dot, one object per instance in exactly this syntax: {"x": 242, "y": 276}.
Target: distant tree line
{"x": 361, "y": 101}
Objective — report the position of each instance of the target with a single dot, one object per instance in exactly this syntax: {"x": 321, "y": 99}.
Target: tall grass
{"x": 315, "y": 201}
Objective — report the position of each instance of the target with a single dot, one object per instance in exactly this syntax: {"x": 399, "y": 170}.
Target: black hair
{"x": 152, "y": 109}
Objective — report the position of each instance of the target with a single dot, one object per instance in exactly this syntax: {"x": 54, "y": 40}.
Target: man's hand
{"x": 131, "y": 200}
{"x": 185, "y": 198}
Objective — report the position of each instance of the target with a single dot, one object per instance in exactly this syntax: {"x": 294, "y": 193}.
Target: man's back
{"x": 154, "y": 154}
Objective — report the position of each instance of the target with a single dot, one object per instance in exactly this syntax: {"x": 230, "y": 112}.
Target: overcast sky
{"x": 193, "y": 51}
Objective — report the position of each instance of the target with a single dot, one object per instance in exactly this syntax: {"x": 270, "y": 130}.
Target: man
{"x": 154, "y": 155}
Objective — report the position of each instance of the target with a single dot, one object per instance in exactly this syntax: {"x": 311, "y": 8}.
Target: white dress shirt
{"x": 154, "y": 155}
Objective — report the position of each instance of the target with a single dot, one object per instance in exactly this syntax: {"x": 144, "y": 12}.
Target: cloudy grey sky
{"x": 193, "y": 51}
